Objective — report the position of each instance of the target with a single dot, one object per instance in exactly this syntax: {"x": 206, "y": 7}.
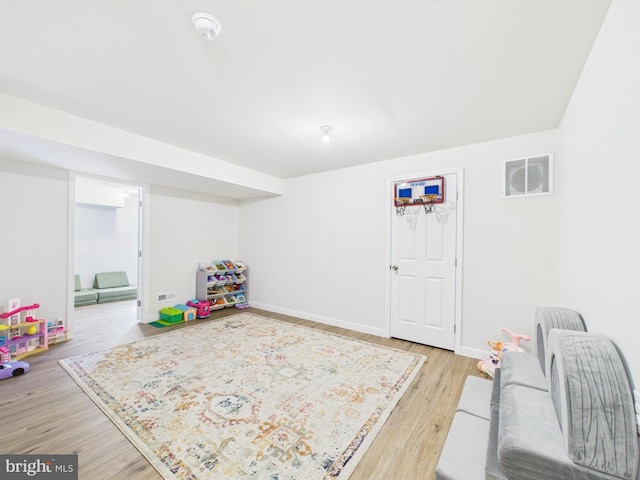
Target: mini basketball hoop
{"x": 428, "y": 202}
{"x": 422, "y": 192}
{"x": 401, "y": 205}
{"x": 411, "y": 215}
{"x": 426, "y": 192}
{"x": 443, "y": 211}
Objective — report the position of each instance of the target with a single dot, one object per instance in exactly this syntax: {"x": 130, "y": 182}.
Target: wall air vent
{"x": 165, "y": 297}
{"x": 528, "y": 176}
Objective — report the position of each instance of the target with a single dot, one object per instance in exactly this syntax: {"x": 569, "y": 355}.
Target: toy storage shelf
{"x": 222, "y": 283}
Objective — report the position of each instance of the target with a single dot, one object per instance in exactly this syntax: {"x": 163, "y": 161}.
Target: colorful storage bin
{"x": 171, "y": 315}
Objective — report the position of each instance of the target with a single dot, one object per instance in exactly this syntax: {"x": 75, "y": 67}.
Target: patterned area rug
{"x": 248, "y": 397}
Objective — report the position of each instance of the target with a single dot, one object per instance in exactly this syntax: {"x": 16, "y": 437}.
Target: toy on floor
{"x": 203, "y": 309}
{"x": 492, "y": 362}
{"x": 242, "y": 303}
{"x": 13, "y": 369}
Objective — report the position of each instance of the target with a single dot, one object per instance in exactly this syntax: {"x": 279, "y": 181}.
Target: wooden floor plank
{"x": 45, "y": 412}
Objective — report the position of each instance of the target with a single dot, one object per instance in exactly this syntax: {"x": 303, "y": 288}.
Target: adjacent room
{"x": 106, "y": 242}
{"x": 397, "y": 184}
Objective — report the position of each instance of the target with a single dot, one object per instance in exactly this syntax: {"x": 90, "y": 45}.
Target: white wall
{"x": 597, "y": 225}
{"x": 106, "y": 240}
{"x": 33, "y": 245}
{"x": 338, "y": 243}
{"x": 185, "y": 229}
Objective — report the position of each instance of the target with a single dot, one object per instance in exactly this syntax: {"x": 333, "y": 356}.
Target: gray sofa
{"x": 83, "y": 296}
{"x": 565, "y": 413}
{"x": 114, "y": 286}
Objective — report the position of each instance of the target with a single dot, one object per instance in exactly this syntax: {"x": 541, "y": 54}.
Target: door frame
{"x": 459, "y": 171}
{"x": 143, "y": 244}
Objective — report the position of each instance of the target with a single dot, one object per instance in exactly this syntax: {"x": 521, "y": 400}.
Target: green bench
{"x": 83, "y": 296}
{"x": 114, "y": 286}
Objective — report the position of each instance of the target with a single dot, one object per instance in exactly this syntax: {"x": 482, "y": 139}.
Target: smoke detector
{"x": 206, "y": 25}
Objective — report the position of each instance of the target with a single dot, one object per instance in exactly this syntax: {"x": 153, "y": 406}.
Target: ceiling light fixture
{"x": 325, "y": 129}
{"x": 206, "y": 25}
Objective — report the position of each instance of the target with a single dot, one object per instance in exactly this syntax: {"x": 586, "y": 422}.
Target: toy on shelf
{"x": 492, "y": 362}
{"x": 218, "y": 303}
{"x": 219, "y": 266}
{"x": 229, "y": 265}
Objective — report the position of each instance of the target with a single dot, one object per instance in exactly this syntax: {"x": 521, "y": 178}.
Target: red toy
{"x": 29, "y": 318}
{"x": 203, "y": 309}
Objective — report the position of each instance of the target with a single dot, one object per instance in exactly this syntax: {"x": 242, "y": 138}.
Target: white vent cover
{"x": 528, "y": 176}
{"x": 165, "y": 297}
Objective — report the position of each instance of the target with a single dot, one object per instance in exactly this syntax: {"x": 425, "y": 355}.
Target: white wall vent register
{"x": 528, "y": 176}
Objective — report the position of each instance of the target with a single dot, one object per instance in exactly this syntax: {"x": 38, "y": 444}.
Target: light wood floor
{"x": 45, "y": 412}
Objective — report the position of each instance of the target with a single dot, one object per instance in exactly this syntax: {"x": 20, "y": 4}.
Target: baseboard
{"x": 378, "y": 332}
{"x": 472, "y": 352}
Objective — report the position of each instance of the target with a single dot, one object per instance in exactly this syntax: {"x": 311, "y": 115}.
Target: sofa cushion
{"x": 519, "y": 368}
{"x": 83, "y": 296}
{"x": 594, "y": 404}
{"x": 530, "y": 443}
{"x": 130, "y": 291}
{"x": 548, "y": 318}
{"x": 476, "y": 397}
{"x": 492, "y": 470}
{"x": 110, "y": 280}
{"x": 495, "y": 390}
{"x": 117, "y": 293}
{"x": 86, "y": 297}
{"x": 463, "y": 455}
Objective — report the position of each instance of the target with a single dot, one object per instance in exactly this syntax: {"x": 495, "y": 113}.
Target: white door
{"x": 423, "y": 272}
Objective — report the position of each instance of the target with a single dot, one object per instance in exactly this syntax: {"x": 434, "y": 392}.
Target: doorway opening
{"x": 107, "y": 236}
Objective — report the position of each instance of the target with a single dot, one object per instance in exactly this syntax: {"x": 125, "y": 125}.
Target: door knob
{"x": 394, "y": 268}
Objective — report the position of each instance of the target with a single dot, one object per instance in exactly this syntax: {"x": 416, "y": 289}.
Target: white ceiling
{"x": 392, "y": 78}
